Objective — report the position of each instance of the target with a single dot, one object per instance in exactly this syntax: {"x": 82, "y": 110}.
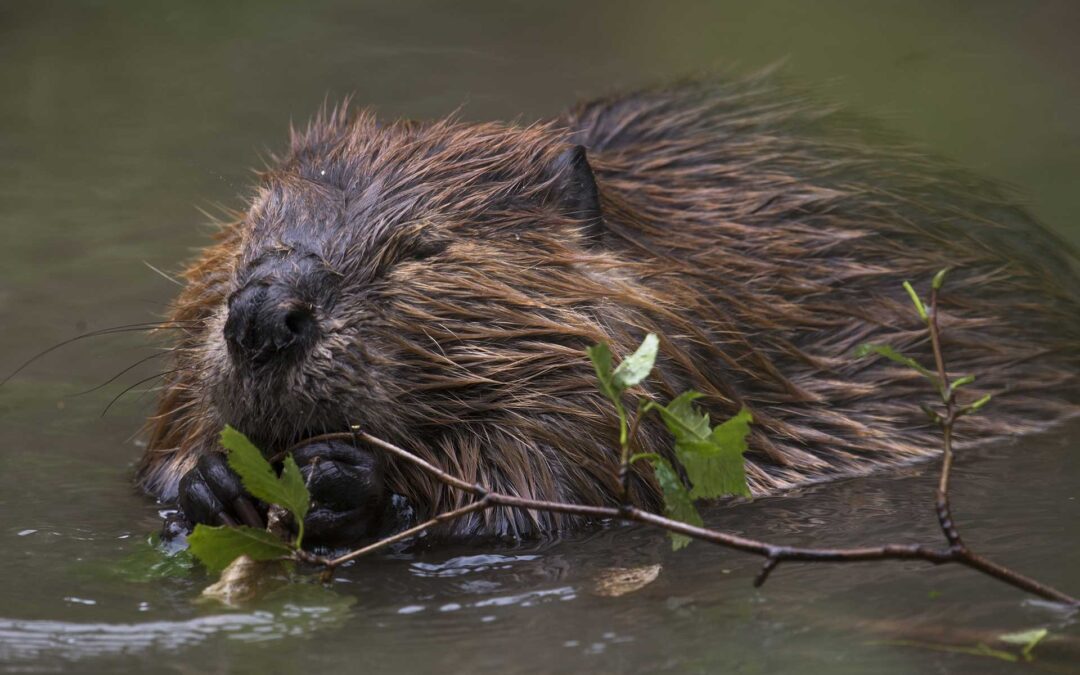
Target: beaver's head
{"x": 408, "y": 276}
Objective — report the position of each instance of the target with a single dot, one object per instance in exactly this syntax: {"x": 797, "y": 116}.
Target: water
{"x": 118, "y": 119}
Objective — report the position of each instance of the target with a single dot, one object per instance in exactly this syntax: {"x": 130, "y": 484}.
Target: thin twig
{"x": 624, "y": 459}
{"x": 956, "y": 551}
{"x": 770, "y": 552}
{"x": 448, "y": 479}
{"x": 942, "y": 504}
{"x": 405, "y": 534}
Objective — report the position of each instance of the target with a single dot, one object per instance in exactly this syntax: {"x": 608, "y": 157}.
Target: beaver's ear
{"x": 575, "y": 189}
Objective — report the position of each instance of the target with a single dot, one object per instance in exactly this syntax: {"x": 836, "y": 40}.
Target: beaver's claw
{"x": 349, "y": 499}
{"x": 211, "y": 493}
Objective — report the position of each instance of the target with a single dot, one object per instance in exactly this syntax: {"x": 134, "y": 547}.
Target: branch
{"x": 773, "y": 554}
{"x": 942, "y": 505}
{"x": 956, "y": 550}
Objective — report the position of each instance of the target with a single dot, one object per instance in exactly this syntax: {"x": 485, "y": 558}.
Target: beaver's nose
{"x": 266, "y": 322}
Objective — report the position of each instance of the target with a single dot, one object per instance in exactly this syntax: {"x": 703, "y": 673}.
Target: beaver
{"x": 437, "y": 283}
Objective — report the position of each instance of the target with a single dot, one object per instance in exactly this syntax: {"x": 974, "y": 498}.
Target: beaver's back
{"x": 796, "y": 226}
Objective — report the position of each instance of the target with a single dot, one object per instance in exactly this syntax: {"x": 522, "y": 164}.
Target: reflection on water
{"x": 27, "y": 639}
{"x": 467, "y": 564}
{"x": 117, "y": 119}
{"x": 294, "y": 611}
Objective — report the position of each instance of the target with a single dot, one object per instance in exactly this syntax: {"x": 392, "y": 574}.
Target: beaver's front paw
{"x": 212, "y": 494}
{"x": 349, "y": 499}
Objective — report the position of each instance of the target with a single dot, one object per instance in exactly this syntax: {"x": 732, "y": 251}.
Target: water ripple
{"x": 27, "y": 639}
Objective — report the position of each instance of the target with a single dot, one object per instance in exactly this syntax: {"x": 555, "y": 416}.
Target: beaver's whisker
{"x": 122, "y": 372}
{"x": 300, "y": 427}
{"x": 183, "y": 406}
{"x": 155, "y": 303}
{"x": 142, "y": 381}
{"x": 349, "y": 428}
{"x": 164, "y": 275}
{"x": 129, "y": 328}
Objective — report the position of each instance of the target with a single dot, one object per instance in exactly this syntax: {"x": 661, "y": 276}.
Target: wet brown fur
{"x": 762, "y": 235}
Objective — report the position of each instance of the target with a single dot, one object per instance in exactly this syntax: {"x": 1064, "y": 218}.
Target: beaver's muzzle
{"x": 267, "y": 323}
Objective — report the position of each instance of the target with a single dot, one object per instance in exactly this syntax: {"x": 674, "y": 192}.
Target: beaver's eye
{"x": 405, "y": 245}
{"x": 421, "y": 250}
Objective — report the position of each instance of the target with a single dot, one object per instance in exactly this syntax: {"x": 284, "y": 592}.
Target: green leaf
{"x": 1026, "y": 639}
{"x": 712, "y": 457}
{"x": 677, "y": 502}
{"x": 716, "y": 468}
{"x": 259, "y": 478}
{"x": 248, "y": 462}
{"x": 939, "y": 279}
{"x": 980, "y": 403}
{"x": 917, "y": 301}
{"x": 296, "y": 496}
{"x": 600, "y": 355}
{"x": 895, "y": 356}
{"x": 961, "y": 381}
{"x": 978, "y": 650}
{"x": 682, "y": 418}
{"x": 637, "y": 366}
{"x": 643, "y": 455}
{"x": 216, "y": 547}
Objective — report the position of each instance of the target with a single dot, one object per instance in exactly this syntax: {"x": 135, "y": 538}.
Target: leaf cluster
{"x": 216, "y": 547}
{"x": 947, "y": 390}
{"x": 710, "y": 457}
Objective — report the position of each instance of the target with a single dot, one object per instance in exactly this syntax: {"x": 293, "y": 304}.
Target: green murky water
{"x": 118, "y": 119}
